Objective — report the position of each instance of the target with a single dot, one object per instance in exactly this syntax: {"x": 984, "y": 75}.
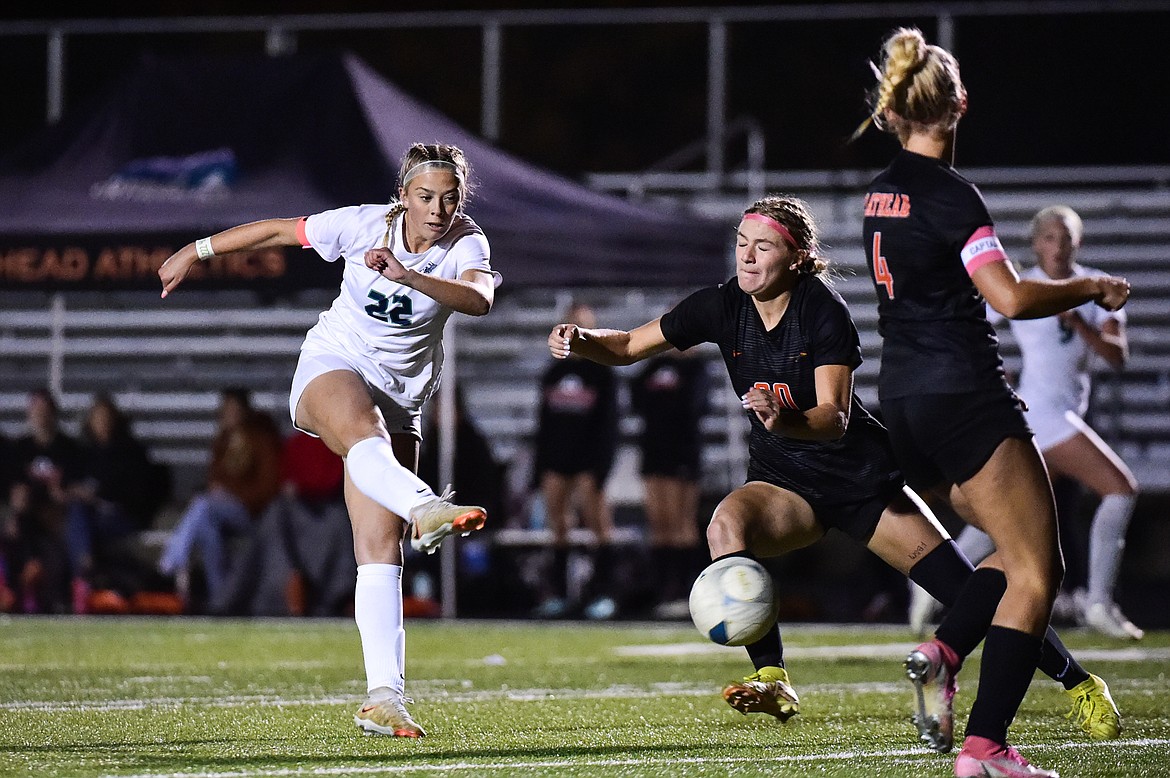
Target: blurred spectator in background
{"x": 44, "y": 462}
{"x": 116, "y": 493}
{"x": 670, "y": 394}
{"x": 576, "y": 442}
{"x": 243, "y": 478}
{"x": 7, "y": 591}
{"x": 478, "y": 478}
{"x": 300, "y": 560}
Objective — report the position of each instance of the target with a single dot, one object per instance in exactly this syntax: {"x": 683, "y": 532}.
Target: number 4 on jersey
{"x": 881, "y": 270}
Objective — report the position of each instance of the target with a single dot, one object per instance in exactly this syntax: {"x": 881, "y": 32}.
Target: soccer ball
{"x": 732, "y": 601}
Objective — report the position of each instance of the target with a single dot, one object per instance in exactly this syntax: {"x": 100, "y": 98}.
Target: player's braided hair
{"x": 793, "y": 213}
{"x": 918, "y": 87}
{"x": 432, "y": 152}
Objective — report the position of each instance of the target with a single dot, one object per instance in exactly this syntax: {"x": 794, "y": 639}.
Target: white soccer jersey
{"x": 1054, "y": 376}
{"x": 399, "y": 327}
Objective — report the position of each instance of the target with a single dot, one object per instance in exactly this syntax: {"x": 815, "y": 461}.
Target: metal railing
{"x": 280, "y": 36}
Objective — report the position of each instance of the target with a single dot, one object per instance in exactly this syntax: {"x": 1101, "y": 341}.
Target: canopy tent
{"x": 185, "y": 146}
{"x": 188, "y": 145}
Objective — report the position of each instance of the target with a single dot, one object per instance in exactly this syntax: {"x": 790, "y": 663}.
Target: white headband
{"x": 431, "y": 166}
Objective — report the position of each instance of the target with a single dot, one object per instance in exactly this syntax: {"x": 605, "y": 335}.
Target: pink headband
{"x": 780, "y": 228}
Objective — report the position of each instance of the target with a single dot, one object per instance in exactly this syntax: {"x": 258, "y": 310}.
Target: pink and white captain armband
{"x": 982, "y": 248}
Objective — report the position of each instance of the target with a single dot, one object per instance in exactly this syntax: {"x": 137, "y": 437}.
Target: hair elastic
{"x": 430, "y": 166}
{"x": 780, "y": 228}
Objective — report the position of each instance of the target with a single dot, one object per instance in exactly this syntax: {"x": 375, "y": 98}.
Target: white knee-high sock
{"x": 1106, "y": 544}
{"x": 975, "y": 544}
{"x": 377, "y": 608}
{"x": 381, "y": 477}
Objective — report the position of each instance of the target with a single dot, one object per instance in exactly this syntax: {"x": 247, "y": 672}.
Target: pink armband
{"x": 983, "y": 247}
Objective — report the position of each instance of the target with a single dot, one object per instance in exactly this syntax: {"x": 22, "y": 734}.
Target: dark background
{"x": 1076, "y": 89}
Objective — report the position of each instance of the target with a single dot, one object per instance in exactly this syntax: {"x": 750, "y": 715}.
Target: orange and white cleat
{"x": 434, "y": 519}
{"x": 384, "y": 713}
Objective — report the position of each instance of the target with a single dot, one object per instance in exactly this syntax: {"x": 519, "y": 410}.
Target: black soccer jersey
{"x": 578, "y": 421}
{"x": 670, "y": 394}
{"x": 922, "y": 221}
{"x": 815, "y": 330}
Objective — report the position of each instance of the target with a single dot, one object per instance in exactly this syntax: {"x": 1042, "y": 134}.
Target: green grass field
{"x": 201, "y": 698}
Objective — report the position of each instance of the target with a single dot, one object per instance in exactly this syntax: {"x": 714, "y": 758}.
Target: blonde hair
{"x": 793, "y": 213}
{"x": 918, "y": 87}
{"x": 1070, "y": 218}
{"x": 417, "y": 154}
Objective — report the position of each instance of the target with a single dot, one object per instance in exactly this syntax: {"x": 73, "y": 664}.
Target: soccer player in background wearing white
{"x": 954, "y": 423}
{"x": 365, "y": 370}
{"x": 1055, "y": 384}
{"x": 817, "y": 459}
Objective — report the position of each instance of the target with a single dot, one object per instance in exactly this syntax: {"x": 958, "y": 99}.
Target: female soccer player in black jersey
{"x": 952, "y": 419}
{"x": 818, "y": 459}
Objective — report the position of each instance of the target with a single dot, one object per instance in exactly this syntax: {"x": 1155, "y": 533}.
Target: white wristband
{"x": 203, "y": 248}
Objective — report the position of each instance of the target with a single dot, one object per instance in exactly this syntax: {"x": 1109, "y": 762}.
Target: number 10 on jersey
{"x": 881, "y": 270}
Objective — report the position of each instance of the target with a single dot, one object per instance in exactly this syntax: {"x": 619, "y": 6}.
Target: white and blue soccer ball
{"x": 733, "y": 601}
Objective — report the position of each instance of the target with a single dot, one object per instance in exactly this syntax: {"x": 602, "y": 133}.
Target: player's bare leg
{"x": 763, "y": 520}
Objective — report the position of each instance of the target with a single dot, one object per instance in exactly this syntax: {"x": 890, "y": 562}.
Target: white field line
{"x": 436, "y": 695}
{"x": 576, "y": 764}
{"x": 162, "y": 667}
{"x": 700, "y": 648}
{"x": 872, "y": 651}
{"x": 431, "y": 693}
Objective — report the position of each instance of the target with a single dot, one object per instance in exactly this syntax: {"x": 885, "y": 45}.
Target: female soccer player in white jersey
{"x": 365, "y": 370}
{"x": 1055, "y": 384}
{"x": 818, "y": 459}
{"x": 953, "y": 420}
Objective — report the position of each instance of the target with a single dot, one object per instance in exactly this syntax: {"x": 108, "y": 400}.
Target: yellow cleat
{"x": 765, "y": 691}
{"x": 384, "y": 713}
{"x": 1094, "y": 710}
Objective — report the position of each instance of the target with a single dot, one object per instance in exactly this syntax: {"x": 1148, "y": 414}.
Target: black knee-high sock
{"x": 559, "y": 574}
{"x": 697, "y": 559}
{"x": 970, "y": 614}
{"x": 1009, "y": 661}
{"x": 603, "y": 564}
{"x": 1058, "y": 664}
{"x": 661, "y": 574}
{"x": 943, "y": 573}
{"x": 768, "y": 651}
{"x": 679, "y": 585}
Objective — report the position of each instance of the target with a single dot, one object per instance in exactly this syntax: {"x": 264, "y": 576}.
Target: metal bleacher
{"x": 165, "y": 363}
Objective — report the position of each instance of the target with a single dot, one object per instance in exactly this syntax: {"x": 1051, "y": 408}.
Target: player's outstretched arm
{"x": 266, "y": 233}
{"x": 1019, "y": 298}
{"x": 608, "y": 347}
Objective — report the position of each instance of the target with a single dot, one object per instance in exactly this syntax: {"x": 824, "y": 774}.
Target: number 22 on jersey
{"x": 881, "y": 270}
{"x": 394, "y": 309}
